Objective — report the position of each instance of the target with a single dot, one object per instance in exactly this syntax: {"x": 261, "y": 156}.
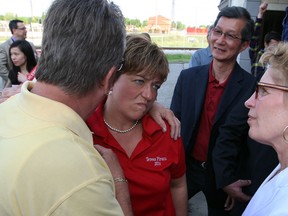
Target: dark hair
{"x": 145, "y": 34}
{"x": 25, "y": 47}
{"x": 82, "y": 41}
{"x": 238, "y": 13}
{"x": 273, "y": 35}
{"x": 13, "y": 24}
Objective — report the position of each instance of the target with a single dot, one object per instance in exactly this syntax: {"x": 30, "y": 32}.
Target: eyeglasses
{"x": 260, "y": 88}
{"x": 23, "y": 28}
{"x": 218, "y": 33}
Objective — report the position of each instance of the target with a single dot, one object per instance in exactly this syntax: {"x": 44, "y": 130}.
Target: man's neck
{"x": 83, "y": 105}
{"x": 14, "y": 38}
{"x": 221, "y": 71}
{"x": 23, "y": 69}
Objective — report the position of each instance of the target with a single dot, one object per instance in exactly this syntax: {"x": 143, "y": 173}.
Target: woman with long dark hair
{"x": 24, "y": 62}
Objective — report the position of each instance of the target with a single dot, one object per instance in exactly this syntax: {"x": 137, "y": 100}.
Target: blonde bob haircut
{"x": 276, "y": 57}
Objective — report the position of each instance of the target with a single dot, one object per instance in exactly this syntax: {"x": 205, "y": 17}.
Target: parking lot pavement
{"x": 166, "y": 91}
{"x": 197, "y": 204}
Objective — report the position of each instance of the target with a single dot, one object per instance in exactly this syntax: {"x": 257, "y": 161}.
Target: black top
{"x": 13, "y": 76}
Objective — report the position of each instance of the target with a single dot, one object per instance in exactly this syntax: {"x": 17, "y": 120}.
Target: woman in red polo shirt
{"x": 153, "y": 163}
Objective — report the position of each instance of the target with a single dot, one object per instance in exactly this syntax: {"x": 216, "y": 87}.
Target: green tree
{"x": 10, "y": 16}
{"x": 180, "y": 26}
{"x": 133, "y": 22}
{"x": 173, "y": 25}
{"x": 177, "y": 25}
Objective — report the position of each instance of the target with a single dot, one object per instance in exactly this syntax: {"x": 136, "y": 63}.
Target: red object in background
{"x": 195, "y": 30}
{"x": 31, "y": 74}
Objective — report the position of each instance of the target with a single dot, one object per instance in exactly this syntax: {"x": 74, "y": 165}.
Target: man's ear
{"x": 108, "y": 80}
{"x": 13, "y": 30}
{"x": 244, "y": 45}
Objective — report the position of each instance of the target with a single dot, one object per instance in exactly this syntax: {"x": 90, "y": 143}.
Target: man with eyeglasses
{"x": 241, "y": 164}
{"x": 203, "y": 99}
{"x": 19, "y": 32}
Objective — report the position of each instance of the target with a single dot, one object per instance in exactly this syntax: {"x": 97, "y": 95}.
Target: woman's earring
{"x": 110, "y": 92}
{"x": 284, "y": 131}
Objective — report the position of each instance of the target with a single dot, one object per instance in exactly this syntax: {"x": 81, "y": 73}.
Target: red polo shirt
{"x": 214, "y": 93}
{"x": 154, "y": 162}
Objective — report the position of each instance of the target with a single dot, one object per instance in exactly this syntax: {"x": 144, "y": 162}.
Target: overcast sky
{"x": 189, "y": 12}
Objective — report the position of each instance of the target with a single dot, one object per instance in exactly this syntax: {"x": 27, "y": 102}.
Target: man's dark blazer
{"x": 236, "y": 156}
{"x": 187, "y": 104}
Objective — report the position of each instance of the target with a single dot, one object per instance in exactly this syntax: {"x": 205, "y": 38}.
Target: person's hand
{"x": 262, "y": 9}
{"x": 21, "y": 77}
{"x": 111, "y": 160}
{"x": 159, "y": 113}
{"x": 122, "y": 190}
{"x": 8, "y": 92}
{"x": 234, "y": 190}
{"x": 229, "y": 204}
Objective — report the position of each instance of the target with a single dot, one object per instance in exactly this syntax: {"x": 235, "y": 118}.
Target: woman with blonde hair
{"x": 268, "y": 121}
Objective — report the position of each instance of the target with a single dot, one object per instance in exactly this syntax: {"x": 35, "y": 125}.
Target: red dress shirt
{"x": 213, "y": 96}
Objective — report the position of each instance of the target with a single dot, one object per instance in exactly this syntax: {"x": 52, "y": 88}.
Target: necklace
{"x": 121, "y": 131}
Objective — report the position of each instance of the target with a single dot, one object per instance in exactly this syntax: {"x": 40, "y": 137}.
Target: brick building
{"x": 159, "y": 24}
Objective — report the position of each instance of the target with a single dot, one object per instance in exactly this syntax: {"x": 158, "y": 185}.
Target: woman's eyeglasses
{"x": 260, "y": 88}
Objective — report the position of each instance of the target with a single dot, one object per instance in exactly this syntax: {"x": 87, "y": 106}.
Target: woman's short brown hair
{"x": 142, "y": 54}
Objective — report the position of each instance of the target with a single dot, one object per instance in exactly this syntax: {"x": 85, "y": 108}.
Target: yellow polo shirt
{"x": 48, "y": 165}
